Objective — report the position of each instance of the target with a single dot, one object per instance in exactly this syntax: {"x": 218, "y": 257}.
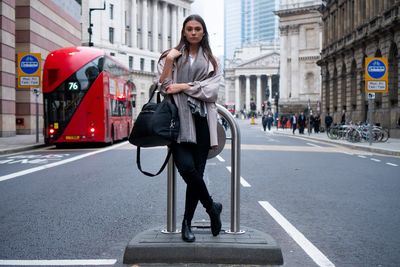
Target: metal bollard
{"x": 235, "y": 180}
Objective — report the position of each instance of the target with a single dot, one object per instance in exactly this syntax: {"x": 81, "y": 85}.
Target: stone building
{"x": 252, "y": 75}
{"x": 301, "y": 42}
{"x": 354, "y": 30}
{"x": 135, "y": 32}
{"x": 36, "y": 26}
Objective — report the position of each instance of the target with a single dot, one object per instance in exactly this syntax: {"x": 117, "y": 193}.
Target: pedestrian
{"x": 191, "y": 74}
{"x": 343, "y": 119}
{"x": 328, "y": 121}
{"x": 293, "y": 122}
{"x": 302, "y": 122}
{"x": 317, "y": 123}
{"x": 264, "y": 120}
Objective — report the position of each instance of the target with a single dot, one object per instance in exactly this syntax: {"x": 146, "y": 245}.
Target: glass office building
{"x": 249, "y": 22}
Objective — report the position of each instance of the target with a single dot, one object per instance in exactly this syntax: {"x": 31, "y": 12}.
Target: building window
{"x": 111, "y": 34}
{"x": 153, "y": 66}
{"x": 130, "y": 62}
{"x": 142, "y": 64}
{"x": 111, "y": 11}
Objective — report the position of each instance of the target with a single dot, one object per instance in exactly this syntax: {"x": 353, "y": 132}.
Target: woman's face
{"x": 193, "y": 32}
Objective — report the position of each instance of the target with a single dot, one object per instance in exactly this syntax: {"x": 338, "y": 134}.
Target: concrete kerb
{"x": 17, "y": 149}
{"x": 366, "y": 147}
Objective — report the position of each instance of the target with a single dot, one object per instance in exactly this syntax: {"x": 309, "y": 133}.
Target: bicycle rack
{"x": 235, "y": 180}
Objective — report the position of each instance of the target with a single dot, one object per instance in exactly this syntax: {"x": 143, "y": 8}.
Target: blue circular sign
{"x": 29, "y": 64}
{"x": 376, "y": 69}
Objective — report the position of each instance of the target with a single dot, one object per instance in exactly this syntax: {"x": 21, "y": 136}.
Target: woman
{"x": 191, "y": 75}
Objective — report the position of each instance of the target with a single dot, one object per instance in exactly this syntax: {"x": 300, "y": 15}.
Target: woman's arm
{"x": 206, "y": 90}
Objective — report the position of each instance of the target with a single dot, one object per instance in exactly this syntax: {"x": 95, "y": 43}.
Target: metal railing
{"x": 235, "y": 180}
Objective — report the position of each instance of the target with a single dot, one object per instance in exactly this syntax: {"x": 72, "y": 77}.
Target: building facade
{"x": 252, "y": 76}
{"x": 300, "y": 46}
{"x": 135, "y": 32}
{"x": 36, "y": 26}
{"x": 353, "y": 31}
{"x": 249, "y": 22}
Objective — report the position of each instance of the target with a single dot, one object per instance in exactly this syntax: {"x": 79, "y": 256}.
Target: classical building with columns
{"x": 252, "y": 75}
{"x": 301, "y": 43}
{"x": 354, "y": 30}
{"x": 135, "y": 32}
{"x": 38, "y": 26}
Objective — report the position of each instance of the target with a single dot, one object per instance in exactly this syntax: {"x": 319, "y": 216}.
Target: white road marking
{"x": 243, "y": 182}
{"x": 315, "y": 254}
{"x": 58, "y": 262}
{"x": 377, "y": 160}
{"x": 361, "y": 156}
{"x": 54, "y": 164}
{"x": 220, "y": 158}
{"x": 314, "y": 145}
{"x": 348, "y": 153}
{"x": 392, "y": 164}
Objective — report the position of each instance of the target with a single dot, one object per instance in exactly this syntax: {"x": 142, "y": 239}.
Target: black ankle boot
{"x": 187, "y": 234}
{"x": 214, "y": 212}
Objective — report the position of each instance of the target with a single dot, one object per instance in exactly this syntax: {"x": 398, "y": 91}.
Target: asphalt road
{"x": 324, "y": 205}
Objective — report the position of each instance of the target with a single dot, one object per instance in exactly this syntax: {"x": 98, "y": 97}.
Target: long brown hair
{"x": 183, "y": 43}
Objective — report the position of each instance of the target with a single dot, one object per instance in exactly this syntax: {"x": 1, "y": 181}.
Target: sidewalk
{"x": 391, "y": 147}
{"x": 20, "y": 143}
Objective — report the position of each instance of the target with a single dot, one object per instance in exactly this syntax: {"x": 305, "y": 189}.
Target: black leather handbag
{"x": 156, "y": 125}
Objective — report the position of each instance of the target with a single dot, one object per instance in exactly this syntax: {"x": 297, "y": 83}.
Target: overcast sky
{"x": 212, "y": 12}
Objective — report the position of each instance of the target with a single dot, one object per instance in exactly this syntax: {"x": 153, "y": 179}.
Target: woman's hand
{"x": 176, "y": 88}
{"x": 173, "y": 54}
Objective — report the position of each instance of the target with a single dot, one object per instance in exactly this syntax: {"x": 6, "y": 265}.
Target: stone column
{"x": 145, "y": 28}
{"x": 270, "y": 87}
{"x": 294, "y": 50}
{"x": 134, "y": 24}
{"x": 155, "y": 27}
{"x": 237, "y": 94}
{"x": 174, "y": 16}
{"x": 165, "y": 45}
{"x": 247, "y": 93}
{"x": 283, "y": 83}
{"x": 258, "y": 93}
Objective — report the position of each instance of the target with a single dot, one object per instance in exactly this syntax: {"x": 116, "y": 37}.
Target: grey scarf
{"x": 188, "y": 106}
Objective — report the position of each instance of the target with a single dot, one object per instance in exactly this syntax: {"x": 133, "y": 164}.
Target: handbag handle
{"x": 153, "y": 92}
{"x": 148, "y": 173}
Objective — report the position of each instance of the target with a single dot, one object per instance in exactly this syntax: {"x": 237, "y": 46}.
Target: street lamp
{"x": 90, "y": 22}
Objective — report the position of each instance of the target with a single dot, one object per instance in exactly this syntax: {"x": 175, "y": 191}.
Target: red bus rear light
{"x": 92, "y": 130}
{"x": 51, "y": 131}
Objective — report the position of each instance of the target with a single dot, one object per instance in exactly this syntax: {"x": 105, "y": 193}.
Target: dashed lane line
{"x": 376, "y": 160}
{"x": 314, "y": 145}
{"x": 392, "y": 164}
{"x": 315, "y": 254}
{"x": 220, "y": 158}
{"x": 243, "y": 182}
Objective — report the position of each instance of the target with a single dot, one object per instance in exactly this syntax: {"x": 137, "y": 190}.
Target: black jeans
{"x": 190, "y": 160}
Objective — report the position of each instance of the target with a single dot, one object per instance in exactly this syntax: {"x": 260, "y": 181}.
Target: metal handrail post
{"x": 235, "y": 180}
{"x": 235, "y": 169}
{"x": 171, "y": 197}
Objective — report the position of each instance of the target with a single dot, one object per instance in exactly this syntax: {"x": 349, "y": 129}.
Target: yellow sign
{"x": 376, "y": 75}
{"x": 29, "y": 69}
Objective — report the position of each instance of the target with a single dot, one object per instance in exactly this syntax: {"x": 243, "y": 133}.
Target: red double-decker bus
{"x": 87, "y": 97}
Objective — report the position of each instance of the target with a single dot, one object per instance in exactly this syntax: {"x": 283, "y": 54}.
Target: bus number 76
{"x": 73, "y": 86}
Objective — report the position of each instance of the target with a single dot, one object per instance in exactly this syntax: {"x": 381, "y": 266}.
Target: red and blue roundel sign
{"x": 29, "y": 64}
{"x": 376, "y": 69}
